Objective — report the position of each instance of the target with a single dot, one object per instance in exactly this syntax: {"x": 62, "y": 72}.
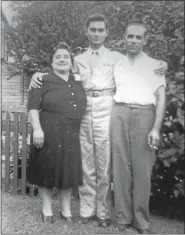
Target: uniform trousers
{"x": 133, "y": 161}
{"x": 95, "y": 150}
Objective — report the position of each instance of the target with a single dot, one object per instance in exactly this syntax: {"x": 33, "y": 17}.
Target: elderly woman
{"x": 55, "y": 112}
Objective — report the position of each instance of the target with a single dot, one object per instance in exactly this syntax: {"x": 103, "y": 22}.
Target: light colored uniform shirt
{"x": 101, "y": 77}
{"x": 136, "y": 83}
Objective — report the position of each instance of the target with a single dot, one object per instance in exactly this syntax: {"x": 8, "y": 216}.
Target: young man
{"x": 96, "y": 70}
{"x": 96, "y": 66}
{"x": 135, "y": 129}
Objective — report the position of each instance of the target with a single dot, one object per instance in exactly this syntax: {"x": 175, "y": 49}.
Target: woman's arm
{"x": 38, "y": 134}
{"x": 34, "y": 105}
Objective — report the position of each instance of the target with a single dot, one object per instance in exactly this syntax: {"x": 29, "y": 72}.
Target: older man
{"x": 135, "y": 129}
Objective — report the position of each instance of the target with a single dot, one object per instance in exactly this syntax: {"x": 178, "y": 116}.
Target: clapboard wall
{"x": 14, "y": 90}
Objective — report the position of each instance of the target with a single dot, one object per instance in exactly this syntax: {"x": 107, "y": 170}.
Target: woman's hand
{"x": 38, "y": 138}
{"x": 36, "y": 80}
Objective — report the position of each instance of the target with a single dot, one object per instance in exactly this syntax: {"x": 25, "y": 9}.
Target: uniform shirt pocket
{"x": 106, "y": 66}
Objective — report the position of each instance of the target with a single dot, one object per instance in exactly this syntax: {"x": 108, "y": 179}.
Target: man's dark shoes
{"x": 144, "y": 231}
{"x": 122, "y": 227}
{"x": 86, "y": 220}
{"x": 104, "y": 223}
{"x": 46, "y": 218}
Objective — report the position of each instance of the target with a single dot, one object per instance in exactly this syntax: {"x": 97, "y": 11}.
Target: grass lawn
{"x": 21, "y": 215}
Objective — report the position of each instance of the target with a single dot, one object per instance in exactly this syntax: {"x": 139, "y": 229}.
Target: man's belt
{"x": 137, "y": 106}
{"x": 97, "y": 93}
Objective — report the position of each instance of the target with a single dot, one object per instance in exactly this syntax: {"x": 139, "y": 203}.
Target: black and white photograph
{"x": 92, "y": 117}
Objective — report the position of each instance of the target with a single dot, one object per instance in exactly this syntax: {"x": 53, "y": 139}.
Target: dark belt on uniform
{"x": 98, "y": 93}
{"x": 137, "y": 106}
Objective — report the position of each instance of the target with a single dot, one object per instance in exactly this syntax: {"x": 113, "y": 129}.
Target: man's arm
{"x": 154, "y": 135}
{"x": 160, "y": 107}
{"x": 36, "y": 80}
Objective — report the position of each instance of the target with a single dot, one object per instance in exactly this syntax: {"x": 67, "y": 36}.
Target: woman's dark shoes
{"x": 67, "y": 218}
{"x": 104, "y": 223}
{"x": 85, "y": 220}
{"x": 144, "y": 231}
{"x": 47, "y": 218}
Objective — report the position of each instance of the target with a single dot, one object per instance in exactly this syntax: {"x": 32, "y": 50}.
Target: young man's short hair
{"x": 137, "y": 24}
{"x": 97, "y": 17}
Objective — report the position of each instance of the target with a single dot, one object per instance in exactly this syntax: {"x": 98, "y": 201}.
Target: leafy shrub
{"x": 40, "y": 25}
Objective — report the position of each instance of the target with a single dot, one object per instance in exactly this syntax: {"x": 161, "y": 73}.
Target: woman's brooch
{"x": 77, "y": 77}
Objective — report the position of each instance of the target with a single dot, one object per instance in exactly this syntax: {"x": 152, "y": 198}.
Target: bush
{"x": 40, "y": 25}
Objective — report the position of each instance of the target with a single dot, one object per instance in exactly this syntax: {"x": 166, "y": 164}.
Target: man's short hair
{"x": 97, "y": 17}
{"x": 137, "y": 24}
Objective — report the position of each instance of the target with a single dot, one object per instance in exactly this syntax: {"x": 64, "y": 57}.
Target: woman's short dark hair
{"x": 97, "y": 17}
{"x": 62, "y": 45}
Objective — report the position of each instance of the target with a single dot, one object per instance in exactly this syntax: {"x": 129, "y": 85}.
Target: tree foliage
{"x": 42, "y": 24}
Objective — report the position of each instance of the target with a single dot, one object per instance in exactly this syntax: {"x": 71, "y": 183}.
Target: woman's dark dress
{"x": 61, "y": 104}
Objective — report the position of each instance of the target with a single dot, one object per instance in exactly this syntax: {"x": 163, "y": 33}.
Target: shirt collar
{"x": 141, "y": 56}
{"x": 100, "y": 51}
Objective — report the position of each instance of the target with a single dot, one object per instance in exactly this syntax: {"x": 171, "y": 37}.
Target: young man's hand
{"x": 162, "y": 69}
{"x": 36, "y": 80}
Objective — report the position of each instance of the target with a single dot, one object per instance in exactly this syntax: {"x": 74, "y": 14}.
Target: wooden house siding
{"x": 4, "y": 26}
{"x": 14, "y": 90}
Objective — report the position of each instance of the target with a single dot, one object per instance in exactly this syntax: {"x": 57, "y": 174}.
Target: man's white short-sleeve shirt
{"x": 136, "y": 83}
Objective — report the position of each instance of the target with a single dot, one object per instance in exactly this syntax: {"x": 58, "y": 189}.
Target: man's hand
{"x": 38, "y": 138}
{"x": 162, "y": 69}
{"x": 154, "y": 139}
{"x": 35, "y": 80}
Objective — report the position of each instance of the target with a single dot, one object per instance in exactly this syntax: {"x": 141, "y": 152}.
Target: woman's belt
{"x": 63, "y": 115}
{"x": 97, "y": 93}
{"x": 137, "y": 106}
